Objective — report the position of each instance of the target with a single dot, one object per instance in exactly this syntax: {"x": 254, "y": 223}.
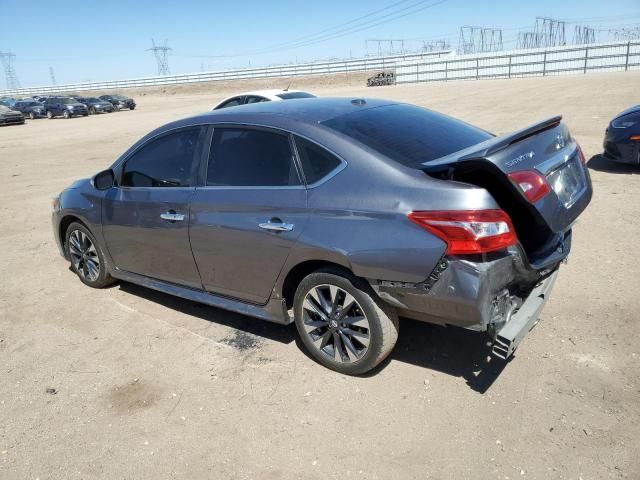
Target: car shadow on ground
{"x": 602, "y": 164}
{"x": 453, "y": 351}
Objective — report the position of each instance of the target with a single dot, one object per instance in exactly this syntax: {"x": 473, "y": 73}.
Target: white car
{"x": 261, "y": 96}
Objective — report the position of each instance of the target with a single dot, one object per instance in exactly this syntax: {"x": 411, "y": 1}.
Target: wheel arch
{"x": 299, "y": 271}
{"x": 65, "y": 222}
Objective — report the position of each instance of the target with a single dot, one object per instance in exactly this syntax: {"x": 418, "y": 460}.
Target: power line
{"x": 53, "y": 76}
{"x": 340, "y": 32}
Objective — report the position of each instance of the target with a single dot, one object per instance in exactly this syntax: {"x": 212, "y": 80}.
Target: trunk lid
{"x": 546, "y": 148}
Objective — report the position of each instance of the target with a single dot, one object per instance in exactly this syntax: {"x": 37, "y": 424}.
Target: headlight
{"x": 69, "y": 107}
{"x": 622, "y": 123}
{"x": 55, "y": 203}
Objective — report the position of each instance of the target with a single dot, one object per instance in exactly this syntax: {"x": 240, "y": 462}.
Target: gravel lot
{"x": 150, "y": 386}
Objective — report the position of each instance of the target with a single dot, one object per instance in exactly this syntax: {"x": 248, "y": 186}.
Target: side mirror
{"x": 104, "y": 180}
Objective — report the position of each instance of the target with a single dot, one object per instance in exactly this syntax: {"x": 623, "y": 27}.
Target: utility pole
{"x": 11, "y": 78}
{"x": 53, "y": 76}
{"x": 161, "y": 53}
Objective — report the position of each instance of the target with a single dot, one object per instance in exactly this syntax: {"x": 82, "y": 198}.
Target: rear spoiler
{"x": 491, "y": 146}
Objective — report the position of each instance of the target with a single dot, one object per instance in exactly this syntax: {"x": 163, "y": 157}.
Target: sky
{"x": 87, "y": 40}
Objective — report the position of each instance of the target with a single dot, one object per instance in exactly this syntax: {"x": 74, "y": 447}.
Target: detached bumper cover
{"x": 523, "y": 321}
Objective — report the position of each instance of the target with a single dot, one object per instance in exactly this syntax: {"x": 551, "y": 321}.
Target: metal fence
{"x": 526, "y": 63}
{"x": 410, "y": 68}
{"x": 320, "y": 68}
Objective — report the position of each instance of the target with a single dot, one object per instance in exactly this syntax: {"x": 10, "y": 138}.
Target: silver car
{"x": 340, "y": 215}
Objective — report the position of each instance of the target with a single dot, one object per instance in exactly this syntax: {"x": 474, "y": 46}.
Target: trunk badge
{"x": 520, "y": 159}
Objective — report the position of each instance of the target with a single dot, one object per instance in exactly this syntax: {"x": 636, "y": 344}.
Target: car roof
{"x": 309, "y": 110}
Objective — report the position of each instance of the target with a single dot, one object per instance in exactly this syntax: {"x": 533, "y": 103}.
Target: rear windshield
{"x": 408, "y": 134}
{"x": 292, "y": 95}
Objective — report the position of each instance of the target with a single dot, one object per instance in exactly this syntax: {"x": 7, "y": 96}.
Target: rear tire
{"x": 86, "y": 257}
{"x": 333, "y": 307}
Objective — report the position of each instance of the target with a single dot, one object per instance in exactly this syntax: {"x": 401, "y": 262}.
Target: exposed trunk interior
{"x": 533, "y": 233}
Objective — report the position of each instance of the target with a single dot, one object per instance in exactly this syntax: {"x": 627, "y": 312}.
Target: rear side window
{"x": 316, "y": 161}
{"x": 245, "y": 157}
{"x": 169, "y": 161}
{"x": 231, "y": 103}
{"x": 408, "y": 134}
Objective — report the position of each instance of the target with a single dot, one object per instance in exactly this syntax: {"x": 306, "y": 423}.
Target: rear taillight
{"x": 581, "y": 156}
{"x": 533, "y": 185}
{"x": 468, "y": 231}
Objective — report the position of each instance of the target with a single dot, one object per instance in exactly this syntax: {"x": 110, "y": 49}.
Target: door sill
{"x": 273, "y": 311}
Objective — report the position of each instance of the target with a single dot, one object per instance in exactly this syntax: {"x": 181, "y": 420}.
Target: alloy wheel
{"x": 84, "y": 256}
{"x": 336, "y": 323}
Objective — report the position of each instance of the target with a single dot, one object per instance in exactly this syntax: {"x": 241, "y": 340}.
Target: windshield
{"x": 4, "y": 109}
{"x": 119, "y": 97}
{"x": 31, "y": 104}
{"x": 67, "y": 101}
{"x": 292, "y": 95}
{"x": 408, "y": 134}
{"x": 93, "y": 99}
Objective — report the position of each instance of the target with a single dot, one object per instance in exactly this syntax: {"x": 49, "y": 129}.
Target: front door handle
{"x": 276, "y": 225}
{"x": 172, "y": 216}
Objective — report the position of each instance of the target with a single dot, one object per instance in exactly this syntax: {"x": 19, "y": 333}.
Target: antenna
{"x": 161, "y": 53}
{"x": 11, "y": 78}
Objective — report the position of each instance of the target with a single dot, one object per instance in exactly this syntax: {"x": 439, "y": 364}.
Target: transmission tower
{"x": 390, "y": 45}
{"x": 528, "y": 40}
{"x": 10, "y": 74}
{"x": 479, "y": 40}
{"x": 550, "y": 32}
{"x": 53, "y": 76}
{"x": 583, "y": 35}
{"x": 625, "y": 34}
{"x": 161, "y": 53}
{"x": 435, "y": 45}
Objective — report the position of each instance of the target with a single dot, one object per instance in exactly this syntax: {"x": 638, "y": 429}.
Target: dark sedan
{"x": 10, "y": 117}
{"x": 64, "y": 106}
{"x": 119, "y": 101}
{"x": 340, "y": 215}
{"x": 622, "y": 138}
{"x": 95, "y": 105}
{"x": 30, "y": 108}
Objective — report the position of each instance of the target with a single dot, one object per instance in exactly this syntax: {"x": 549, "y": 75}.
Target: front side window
{"x": 245, "y": 157}
{"x": 169, "y": 161}
{"x": 316, "y": 161}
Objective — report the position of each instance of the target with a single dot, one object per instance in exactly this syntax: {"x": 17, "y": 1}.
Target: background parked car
{"x": 64, "y": 106}
{"x": 30, "y": 108}
{"x": 10, "y": 117}
{"x": 119, "y": 101}
{"x": 7, "y": 101}
{"x": 622, "y": 138}
{"x": 259, "y": 96}
{"x": 95, "y": 105}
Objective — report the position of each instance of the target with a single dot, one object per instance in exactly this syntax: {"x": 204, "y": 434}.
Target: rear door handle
{"x": 276, "y": 226}
{"x": 172, "y": 216}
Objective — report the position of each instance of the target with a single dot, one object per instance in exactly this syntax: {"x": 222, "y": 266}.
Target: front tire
{"x": 49, "y": 114}
{"x": 32, "y": 115}
{"x": 86, "y": 257}
{"x": 342, "y": 323}
{"x": 92, "y": 111}
{"x": 66, "y": 114}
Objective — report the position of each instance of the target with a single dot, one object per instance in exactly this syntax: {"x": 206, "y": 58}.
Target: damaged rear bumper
{"x": 523, "y": 321}
{"x": 501, "y": 294}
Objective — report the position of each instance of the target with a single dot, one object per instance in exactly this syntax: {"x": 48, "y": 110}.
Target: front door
{"x": 146, "y": 217}
{"x": 250, "y": 213}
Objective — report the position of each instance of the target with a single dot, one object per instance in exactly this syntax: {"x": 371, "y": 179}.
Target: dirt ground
{"x": 150, "y": 386}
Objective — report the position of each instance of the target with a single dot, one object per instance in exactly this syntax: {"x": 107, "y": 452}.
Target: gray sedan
{"x": 340, "y": 215}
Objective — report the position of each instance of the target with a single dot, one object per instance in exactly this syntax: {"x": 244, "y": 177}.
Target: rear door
{"x": 146, "y": 218}
{"x": 252, "y": 209}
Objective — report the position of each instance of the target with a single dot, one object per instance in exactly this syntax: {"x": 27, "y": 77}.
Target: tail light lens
{"x": 533, "y": 185}
{"x": 581, "y": 156}
{"x": 468, "y": 231}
